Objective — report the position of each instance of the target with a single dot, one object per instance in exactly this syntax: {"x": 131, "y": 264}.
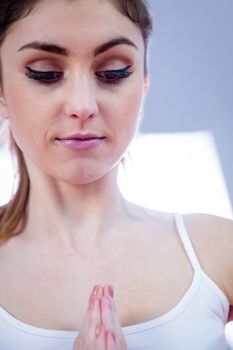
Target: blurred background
{"x": 191, "y": 67}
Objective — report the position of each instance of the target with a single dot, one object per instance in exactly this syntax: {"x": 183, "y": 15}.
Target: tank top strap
{"x": 184, "y": 237}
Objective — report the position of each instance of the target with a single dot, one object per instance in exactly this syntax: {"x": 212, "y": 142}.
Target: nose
{"x": 80, "y": 99}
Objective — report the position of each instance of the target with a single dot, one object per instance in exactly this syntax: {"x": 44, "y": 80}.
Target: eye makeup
{"x": 106, "y": 76}
{"x": 43, "y": 76}
{"x": 113, "y": 76}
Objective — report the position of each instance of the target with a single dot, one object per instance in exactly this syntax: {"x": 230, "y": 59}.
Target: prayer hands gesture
{"x": 101, "y": 329}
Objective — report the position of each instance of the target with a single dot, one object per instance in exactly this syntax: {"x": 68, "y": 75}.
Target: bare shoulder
{"x": 212, "y": 237}
{"x": 209, "y": 227}
{"x": 211, "y": 232}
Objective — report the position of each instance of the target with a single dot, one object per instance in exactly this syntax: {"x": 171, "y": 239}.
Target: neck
{"x": 75, "y": 215}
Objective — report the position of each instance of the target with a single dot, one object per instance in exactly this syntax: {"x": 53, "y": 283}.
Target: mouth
{"x": 80, "y": 142}
{"x": 81, "y": 137}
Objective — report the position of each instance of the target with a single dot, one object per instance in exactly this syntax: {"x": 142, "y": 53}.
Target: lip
{"x": 81, "y": 137}
{"x": 80, "y": 141}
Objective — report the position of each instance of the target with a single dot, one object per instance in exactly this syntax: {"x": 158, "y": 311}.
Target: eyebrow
{"x": 114, "y": 42}
{"x": 49, "y": 47}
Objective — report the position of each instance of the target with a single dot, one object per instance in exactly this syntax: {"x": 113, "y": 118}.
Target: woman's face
{"x": 73, "y": 84}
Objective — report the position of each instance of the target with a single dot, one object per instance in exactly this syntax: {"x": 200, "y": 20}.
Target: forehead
{"x": 78, "y": 23}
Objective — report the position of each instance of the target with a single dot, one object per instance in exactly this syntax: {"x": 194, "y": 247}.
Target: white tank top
{"x": 197, "y": 322}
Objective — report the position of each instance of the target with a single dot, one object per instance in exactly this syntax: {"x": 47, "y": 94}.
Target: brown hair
{"x": 13, "y": 214}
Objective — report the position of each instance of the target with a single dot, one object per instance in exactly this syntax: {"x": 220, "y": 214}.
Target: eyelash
{"x": 114, "y": 76}
{"x": 52, "y": 77}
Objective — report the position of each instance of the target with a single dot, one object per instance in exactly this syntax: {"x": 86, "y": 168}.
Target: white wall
{"x": 191, "y": 66}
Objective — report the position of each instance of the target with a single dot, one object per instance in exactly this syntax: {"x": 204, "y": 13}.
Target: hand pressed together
{"x": 101, "y": 329}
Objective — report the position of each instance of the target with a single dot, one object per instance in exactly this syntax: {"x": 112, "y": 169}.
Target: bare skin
{"x": 147, "y": 255}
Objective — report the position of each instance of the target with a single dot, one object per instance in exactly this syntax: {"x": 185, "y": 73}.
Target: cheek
{"x": 129, "y": 109}
{"x": 25, "y": 120}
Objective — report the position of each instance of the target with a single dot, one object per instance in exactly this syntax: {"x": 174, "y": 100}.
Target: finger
{"x": 106, "y": 311}
{"x": 110, "y": 340}
{"x": 94, "y": 306}
{"x": 94, "y": 290}
{"x": 99, "y": 291}
{"x": 100, "y": 338}
{"x": 115, "y": 319}
{"x": 99, "y": 295}
{"x": 92, "y": 318}
{"x": 95, "y": 317}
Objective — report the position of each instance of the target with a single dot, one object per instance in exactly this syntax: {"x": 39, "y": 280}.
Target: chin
{"x": 84, "y": 177}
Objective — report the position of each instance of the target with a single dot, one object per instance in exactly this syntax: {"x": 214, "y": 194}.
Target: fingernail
{"x": 95, "y": 289}
{"x": 111, "y": 291}
{"x": 108, "y": 301}
{"x": 98, "y": 330}
{"x": 100, "y": 291}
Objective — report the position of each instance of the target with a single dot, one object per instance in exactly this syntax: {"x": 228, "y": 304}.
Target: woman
{"x": 81, "y": 267}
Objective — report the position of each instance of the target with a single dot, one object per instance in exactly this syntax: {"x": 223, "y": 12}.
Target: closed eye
{"x": 114, "y": 76}
{"x": 46, "y": 77}
{"x": 51, "y": 77}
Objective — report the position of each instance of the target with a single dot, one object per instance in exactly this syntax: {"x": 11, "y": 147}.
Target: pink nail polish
{"x": 111, "y": 291}
{"x": 98, "y": 330}
{"x": 95, "y": 289}
{"x": 100, "y": 291}
{"x": 108, "y": 301}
